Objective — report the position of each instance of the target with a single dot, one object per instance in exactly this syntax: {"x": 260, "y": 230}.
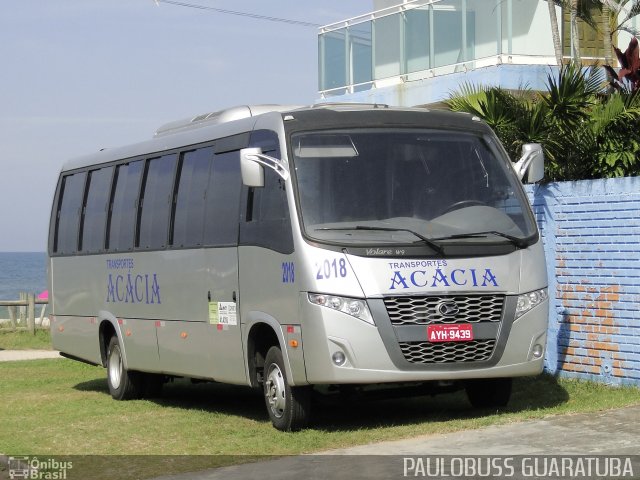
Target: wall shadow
{"x": 563, "y": 340}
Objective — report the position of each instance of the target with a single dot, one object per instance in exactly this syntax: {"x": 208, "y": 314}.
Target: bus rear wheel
{"x": 123, "y": 384}
{"x": 288, "y": 407}
{"x": 489, "y": 392}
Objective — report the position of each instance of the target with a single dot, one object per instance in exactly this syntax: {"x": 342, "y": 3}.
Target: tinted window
{"x": 270, "y": 202}
{"x": 223, "y": 197}
{"x": 94, "y": 215}
{"x": 267, "y": 212}
{"x": 190, "y": 197}
{"x": 437, "y": 183}
{"x": 155, "y": 202}
{"x": 66, "y": 238}
{"x": 123, "y": 206}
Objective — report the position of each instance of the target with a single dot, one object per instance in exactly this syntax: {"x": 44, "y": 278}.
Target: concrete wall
{"x": 432, "y": 90}
{"x": 531, "y": 29}
{"x": 591, "y": 231}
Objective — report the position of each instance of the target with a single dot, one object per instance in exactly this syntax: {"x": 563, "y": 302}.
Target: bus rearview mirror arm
{"x": 530, "y": 167}
{"x": 252, "y": 161}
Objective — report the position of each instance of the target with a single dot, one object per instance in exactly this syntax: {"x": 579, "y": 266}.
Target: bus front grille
{"x": 447, "y": 352}
{"x": 428, "y": 310}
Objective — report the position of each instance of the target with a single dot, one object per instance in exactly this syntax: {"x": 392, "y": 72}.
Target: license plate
{"x": 459, "y": 332}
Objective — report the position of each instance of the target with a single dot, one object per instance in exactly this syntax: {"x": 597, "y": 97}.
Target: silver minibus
{"x": 303, "y": 250}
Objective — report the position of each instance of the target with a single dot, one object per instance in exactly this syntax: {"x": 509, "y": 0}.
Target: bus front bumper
{"x": 341, "y": 349}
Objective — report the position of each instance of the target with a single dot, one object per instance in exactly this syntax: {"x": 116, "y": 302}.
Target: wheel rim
{"x": 115, "y": 367}
{"x": 275, "y": 391}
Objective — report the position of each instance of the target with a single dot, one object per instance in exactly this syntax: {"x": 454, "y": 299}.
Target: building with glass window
{"x": 419, "y": 51}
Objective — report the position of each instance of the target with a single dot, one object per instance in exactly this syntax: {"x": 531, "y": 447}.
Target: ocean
{"x": 21, "y": 272}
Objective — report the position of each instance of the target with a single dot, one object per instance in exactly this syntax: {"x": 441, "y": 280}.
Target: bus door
{"x": 266, "y": 252}
{"x": 221, "y": 260}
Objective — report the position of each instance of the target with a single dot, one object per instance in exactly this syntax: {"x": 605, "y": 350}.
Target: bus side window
{"x": 223, "y": 201}
{"x": 267, "y": 220}
{"x": 68, "y": 216}
{"x": 94, "y": 212}
{"x": 190, "y": 198}
{"x": 155, "y": 202}
{"x": 122, "y": 210}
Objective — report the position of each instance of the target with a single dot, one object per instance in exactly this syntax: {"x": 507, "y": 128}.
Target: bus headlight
{"x": 527, "y": 301}
{"x": 351, "y": 306}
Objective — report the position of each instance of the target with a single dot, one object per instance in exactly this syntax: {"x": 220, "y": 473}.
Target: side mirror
{"x": 530, "y": 167}
{"x": 252, "y": 163}
{"x": 252, "y": 171}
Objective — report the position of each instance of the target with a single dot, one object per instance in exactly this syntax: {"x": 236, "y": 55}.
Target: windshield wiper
{"x": 430, "y": 242}
{"x": 518, "y": 242}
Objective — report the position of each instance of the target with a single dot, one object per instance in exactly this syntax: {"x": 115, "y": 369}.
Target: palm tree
{"x": 584, "y": 133}
{"x": 555, "y": 32}
{"x": 606, "y": 31}
{"x": 625, "y": 9}
{"x": 499, "y": 108}
{"x": 579, "y": 10}
{"x": 611, "y": 136}
{"x": 575, "y": 34}
{"x": 616, "y": 17}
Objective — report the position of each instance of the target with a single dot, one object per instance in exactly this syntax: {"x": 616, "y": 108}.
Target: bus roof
{"x": 241, "y": 119}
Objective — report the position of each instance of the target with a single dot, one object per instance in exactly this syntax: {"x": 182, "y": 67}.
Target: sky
{"x": 80, "y": 75}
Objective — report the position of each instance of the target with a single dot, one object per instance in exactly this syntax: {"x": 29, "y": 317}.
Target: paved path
{"x": 611, "y": 433}
{"x": 11, "y": 355}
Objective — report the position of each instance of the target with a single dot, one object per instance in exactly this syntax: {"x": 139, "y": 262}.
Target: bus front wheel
{"x": 123, "y": 385}
{"x": 288, "y": 406}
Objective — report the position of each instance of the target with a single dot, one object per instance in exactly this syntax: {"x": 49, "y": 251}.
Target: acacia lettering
{"x": 459, "y": 277}
{"x": 130, "y": 288}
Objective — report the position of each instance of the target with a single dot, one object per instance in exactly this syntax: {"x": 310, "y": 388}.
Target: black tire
{"x": 288, "y": 407}
{"x": 489, "y": 393}
{"x": 123, "y": 385}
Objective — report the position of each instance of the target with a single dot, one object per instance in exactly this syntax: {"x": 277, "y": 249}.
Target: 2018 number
{"x": 331, "y": 269}
{"x": 288, "y": 272}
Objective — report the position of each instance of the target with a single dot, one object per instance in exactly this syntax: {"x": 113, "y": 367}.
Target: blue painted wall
{"x": 591, "y": 232}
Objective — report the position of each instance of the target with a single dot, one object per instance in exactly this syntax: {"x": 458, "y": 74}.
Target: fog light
{"x": 338, "y": 358}
{"x": 537, "y": 350}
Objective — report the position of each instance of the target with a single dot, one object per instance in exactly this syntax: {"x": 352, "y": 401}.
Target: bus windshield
{"x": 403, "y": 186}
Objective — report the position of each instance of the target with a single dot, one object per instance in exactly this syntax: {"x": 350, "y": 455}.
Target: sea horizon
{"x": 23, "y": 251}
{"x": 21, "y": 272}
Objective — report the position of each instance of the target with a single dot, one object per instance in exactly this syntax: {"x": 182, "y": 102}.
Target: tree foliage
{"x": 628, "y": 77}
{"x": 585, "y": 131}
{"x": 615, "y": 16}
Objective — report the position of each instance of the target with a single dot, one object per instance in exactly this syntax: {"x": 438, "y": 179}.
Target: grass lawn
{"x": 61, "y": 407}
{"x": 22, "y": 340}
